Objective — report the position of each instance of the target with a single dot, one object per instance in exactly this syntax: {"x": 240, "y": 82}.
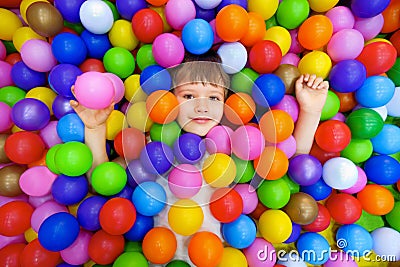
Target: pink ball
{"x": 341, "y": 18}
{"x": 5, "y": 74}
{"x": 290, "y": 105}
{"x": 119, "y": 87}
{"x": 249, "y": 197}
{"x": 345, "y": 44}
{"x": 37, "y": 181}
{"x": 290, "y": 58}
{"x": 179, "y": 12}
{"x": 340, "y": 259}
{"x": 168, "y": 50}
{"x": 217, "y": 39}
{"x": 3, "y": 51}
{"x": 288, "y": 146}
{"x": 94, "y": 90}
{"x": 295, "y": 46}
{"x": 44, "y": 211}
{"x": 8, "y": 240}
{"x": 218, "y": 140}
{"x": 78, "y": 253}
{"x": 6, "y": 122}
{"x": 359, "y": 185}
{"x": 260, "y": 253}
{"x": 5, "y": 200}
{"x": 49, "y": 134}
{"x": 247, "y": 142}
{"x": 339, "y": 117}
{"x": 185, "y": 181}
{"x": 37, "y": 55}
{"x": 37, "y": 201}
{"x": 369, "y": 27}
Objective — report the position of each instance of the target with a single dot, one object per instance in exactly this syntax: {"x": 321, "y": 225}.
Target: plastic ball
{"x": 375, "y": 92}
{"x": 157, "y": 157}
{"x": 265, "y": 56}
{"x": 218, "y": 140}
{"x": 88, "y": 212}
{"x": 333, "y": 136}
{"x": 370, "y": 10}
{"x": 147, "y": 25}
{"x": 129, "y": 142}
{"x": 260, "y": 253}
{"x": 69, "y": 10}
{"x": 315, "y": 32}
{"x": 162, "y": 106}
{"x": 240, "y": 233}
{"x": 387, "y": 140}
{"x": 105, "y": 248}
{"x": 381, "y": 238}
{"x": 232, "y": 23}
{"x": 70, "y": 128}
{"x": 155, "y": 78}
{"x": 233, "y": 56}
{"x": 272, "y": 163}
{"x": 189, "y": 148}
{"x": 256, "y": 30}
{"x": 290, "y": 14}
{"x": 24, "y": 147}
{"x": 364, "y": 123}
{"x": 353, "y": 237}
{"x": 301, "y": 208}
{"x": 69, "y": 190}
{"x": 358, "y": 150}
{"x": 167, "y": 50}
{"x": 11, "y": 254}
{"x": 119, "y": 61}
{"x": 316, "y": 62}
{"x": 34, "y": 254}
{"x": 23, "y": 34}
{"x": 391, "y": 217}
{"x": 179, "y": 12}
{"x": 393, "y": 109}
{"x": 305, "y": 169}
{"x": 219, "y": 170}
{"x": 205, "y": 249}
{"x": 319, "y": 6}
{"x": 232, "y": 257}
{"x": 243, "y": 81}
{"x": 15, "y": 218}
{"x": 376, "y": 199}
{"x": 62, "y": 77}
{"x": 128, "y": 8}
{"x": 369, "y": 27}
{"x": 97, "y": 44}
{"x": 92, "y": 64}
{"x": 274, "y": 194}
{"x": 387, "y": 173}
{"x": 197, "y": 36}
{"x": 37, "y": 55}
{"x": 9, "y": 185}
{"x": 276, "y": 125}
{"x": 145, "y": 57}
{"x": 73, "y": 254}
{"x": 313, "y": 242}
{"x": 226, "y": 205}
{"x": 96, "y": 17}
{"x": 275, "y": 226}
{"x": 253, "y": 148}
{"x": 7, "y": 122}
{"x": 69, "y": 48}
{"x": 185, "y": 217}
{"x": 30, "y": 114}
{"x": 73, "y": 158}
{"x": 339, "y": 173}
{"x": 26, "y": 78}
{"x": 344, "y": 208}
{"x": 268, "y": 90}
{"x": 341, "y": 18}
{"x": 149, "y": 198}
{"x": 10, "y": 23}
{"x": 137, "y": 117}
{"x": 184, "y": 181}
{"x": 347, "y": 76}
{"x": 321, "y": 222}
{"x": 159, "y": 245}
{"x": 345, "y": 44}
{"x": 108, "y": 178}
{"x": 143, "y": 224}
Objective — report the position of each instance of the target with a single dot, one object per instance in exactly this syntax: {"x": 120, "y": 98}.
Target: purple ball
{"x": 137, "y": 174}
{"x": 305, "y": 169}
{"x": 30, "y": 114}
{"x": 242, "y": 3}
{"x": 68, "y": 190}
{"x": 206, "y": 14}
{"x": 128, "y": 8}
{"x": 157, "y": 157}
{"x": 296, "y": 231}
{"x": 189, "y": 148}
{"x": 27, "y": 78}
{"x": 69, "y": 9}
{"x": 61, "y": 106}
{"x": 62, "y": 77}
{"x": 347, "y": 76}
{"x": 88, "y": 212}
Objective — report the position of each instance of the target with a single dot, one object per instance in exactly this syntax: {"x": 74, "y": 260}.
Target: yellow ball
{"x": 23, "y": 7}
{"x": 266, "y": 8}
{"x": 161, "y": 11}
{"x": 16, "y": 129}
{"x": 185, "y": 217}
{"x": 322, "y": 5}
{"x": 121, "y": 35}
{"x": 133, "y": 90}
{"x": 23, "y": 34}
{"x": 275, "y": 226}
{"x": 9, "y": 23}
{"x": 315, "y": 62}
{"x": 44, "y": 94}
{"x": 280, "y": 36}
{"x": 219, "y": 170}
{"x": 137, "y": 117}
{"x": 378, "y": 40}
{"x": 232, "y": 257}
{"x": 115, "y": 123}
{"x": 30, "y": 235}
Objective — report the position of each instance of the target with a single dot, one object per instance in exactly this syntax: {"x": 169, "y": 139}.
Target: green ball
{"x": 131, "y": 259}
{"x": 50, "y": 158}
{"x": 364, "y": 123}
{"x": 244, "y": 170}
{"x": 113, "y": 9}
{"x": 11, "y": 95}
{"x": 77, "y": 27}
{"x": 144, "y": 56}
{"x": 271, "y": 22}
{"x": 108, "y": 178}
{"x": 178, "y": 263}
{"x": 131, "y": 246}
{"x": 292, "y": 13}
{"x": 119, "y": 61}
{"x": 393, "y": 217}
{"x": 293, "y": 186}
{"x": 274, "y": 194}
{"x": 10, "y": 48}
{"x": 358, "y": 150}
{"x": 73, "y": 158}
{"x": 394, "y": 72}
{"x": 166, "y": 133}
{"x": 243, "y": 81}
{"x": 331, "y": 106}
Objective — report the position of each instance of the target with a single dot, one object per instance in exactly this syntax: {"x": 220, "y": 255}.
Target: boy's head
{"x": 201, "y": 86}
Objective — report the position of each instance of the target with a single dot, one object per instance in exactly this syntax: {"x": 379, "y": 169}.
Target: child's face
{"x": 201, "y": 107}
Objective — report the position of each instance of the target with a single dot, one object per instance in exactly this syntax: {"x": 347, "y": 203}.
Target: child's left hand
{"x": 311, "y": 92}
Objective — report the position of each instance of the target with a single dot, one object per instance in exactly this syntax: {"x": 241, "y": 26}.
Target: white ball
{"x": 340, "y": 173}
{"x": 96, "y": 16}
{"x": 393, "y": 107}
{"x": 386, "y": 243}
{"x": 208, "y": 4}
{"x": 291, "y": 259}
{"x": 233, "y": 57}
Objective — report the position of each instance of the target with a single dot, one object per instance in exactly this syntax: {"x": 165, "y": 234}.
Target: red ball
{"x": 333, "y": 136}
{"x": 117, "y": 216}
{"x": 15, "y": 218}
{"x": 226, "y": 205}
{"x": 34, "y": 255}
{"x": 321, "y": 154}
{"x": 10, "y": 255}
{"x": 378, "y": 57}
{"x": 24, "y": 147}
{"x": 105, "y": 248}
{"x": 92, "y": 64}
{"x": 147, "y": 25}
{"x": 344, "y": 208}
{"x": 265, "y": 56}
{"x": 321, "y": 222}
{"x": 129, "y": 142}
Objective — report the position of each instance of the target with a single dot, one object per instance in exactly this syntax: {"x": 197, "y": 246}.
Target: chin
{"x": 199, "y": 130}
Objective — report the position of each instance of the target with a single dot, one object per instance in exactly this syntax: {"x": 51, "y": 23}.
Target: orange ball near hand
{"x": 239, "y": 108}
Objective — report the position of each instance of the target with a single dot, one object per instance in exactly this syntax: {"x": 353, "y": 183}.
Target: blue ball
{"x": 88, "y": 212}
{"x": 62, "y": 77}
{"x": 69, "y": 9}
{"x": 355, "y": 239}
{"x": 69, "y": 48}
{"x": 27, "y": 78}
{"x": 268, "y": 90}
{"x": 61, "y": 106}
{"x": 149, "y": 198}
{"x": 206, "y": 14}
{"x": 319, "y": 190}
{"x": 382, "y": 169}
{"x": 240, "y": 233}
{"x": 66, "y": 265}
{"x": 189, "y": 148}
{"x": 347, "y": 76}
{"x": 153, "y": 78}
{"x": 388, "y": 140}
{"x": 296, "y": 231}
{"x": 157, "y": 157}
{"x": 71, "y": 128}
{"x": 142, "y": 225}
{"x": 242, "y": 3}
{"x": 126, "y": 192}
{"x": 58, "y": 231}
{"x": 368, "y": 9}
{"x": 137, "y": 173}
{"x": 197, "y": 36}
{"x": 128, "y": 8}
{"x": 68, "y": 190}
{"x": 313, "y": 248}
{"x": 97, "y": 44}
{"x": 376, "y": 91}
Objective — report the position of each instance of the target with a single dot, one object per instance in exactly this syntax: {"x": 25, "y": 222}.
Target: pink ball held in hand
{"x": 94, "y": 90}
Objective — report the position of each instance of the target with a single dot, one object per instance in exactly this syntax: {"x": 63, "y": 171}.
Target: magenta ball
{"x": 118, "y": 84}
{"x": 8, "y": 240}
{"x": 49, "y": 134}
{"x": 218, "y": 140}
{"x": 290, "y": 105}
{"x": 5, "y": 74}
{"x": 168, "y": 50}
{"x": 179, "y": 12}
{"x": 339, "y": 117}
{"x": 37, "y": 181}
{"x": 260, "y": 253}
{"x": 185, "y": 180}
{"x": 94, "y": 90}
{"x": 37, "y": 55}
{"x": 249, "y": 196}
{"x": 295, "y": 46}
{"x": 341, "y": 18}
{"x": 288, "y": 146}
{"x": 359, "y": 185}
{"x": 6, "y": 122}
{"x": 3, "y": 51}
{"x": 44, "y": 211}
{"x": 247, "y": 142}
{"x": 340, "y": 259}
{"x": 37, "y": 201}
{"x": 217, "y": 39}
{"x": 369, "y": 27}
{"x": 77, "y": 253}
{"x": 345, "y": 44}
{"x": 291, "y": 59}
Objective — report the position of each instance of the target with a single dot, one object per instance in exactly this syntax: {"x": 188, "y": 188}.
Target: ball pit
{"x": 53, "y": 215}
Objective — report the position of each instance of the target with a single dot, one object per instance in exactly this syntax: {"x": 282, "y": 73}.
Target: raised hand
{"x": 311, "y": 92}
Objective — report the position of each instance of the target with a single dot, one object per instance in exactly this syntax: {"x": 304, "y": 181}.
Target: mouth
{"x": 201, "y": 120}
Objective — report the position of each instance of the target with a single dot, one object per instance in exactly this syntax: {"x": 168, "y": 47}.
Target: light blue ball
{"x": 376, "y": 91}
{"x": 149, "y": 198}
{"x": 197, "y": 36}
{"x": 240, "y": 233}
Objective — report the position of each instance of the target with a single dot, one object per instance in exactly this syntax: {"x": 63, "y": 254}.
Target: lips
{"x": 201, "y": 120}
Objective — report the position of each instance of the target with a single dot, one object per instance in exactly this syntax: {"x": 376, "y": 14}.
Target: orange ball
{"x": 315, "y": 32}
{"x": 156, "y": 2}
{"x": 276, "y": 125}
{"x": 376, "y": 199}
{"x": 239, "y": 108}
{"x": 162, "y": 106}
{"x": 205, "y": 249}
{"x": 391, "y": 17}
{"x": 232, "y": 23}
{"x": 394, "y": 39}
{"x": 272, "y": 164}
{"x": 159, "y": 245}
{"x": 256, "y": 31}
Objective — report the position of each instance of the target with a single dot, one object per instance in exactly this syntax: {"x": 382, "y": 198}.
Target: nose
{"x": 201, "y": 105}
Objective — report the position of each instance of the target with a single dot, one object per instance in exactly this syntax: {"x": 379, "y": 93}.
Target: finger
{"x": 75, "y": 105}
{"x": 311, "y": 80}
{"x": 306, "y": 77}
{"x": 299, "y": 81}
{"x": 317, "y": 82}
{"x": 324, "y": 85}
{"x": 73, "y": 90}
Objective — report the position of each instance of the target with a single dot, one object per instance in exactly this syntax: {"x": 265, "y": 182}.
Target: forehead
{"x": 200, "y": 88}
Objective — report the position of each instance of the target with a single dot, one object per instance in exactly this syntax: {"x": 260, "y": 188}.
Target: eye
{"x": 215, "y": 98}
{"x": 188, "y": 96}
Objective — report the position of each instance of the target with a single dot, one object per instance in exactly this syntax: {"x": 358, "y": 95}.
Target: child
{"x": 201, "y": 90}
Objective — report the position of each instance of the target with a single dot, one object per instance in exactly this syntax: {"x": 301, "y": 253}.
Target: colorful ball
{"x": 376, "y": 91}
{"x": 108, "y": 178}
{"x": 155, "y": 78}
{"x": 189, "y": 148}
{"x": 157, "y": 157}
{"x": 179, "y": 12}
{"x": 105, "y": 248}
{"x": 184, "y": 181}
{"x": 347, "y": 76}
{"x": 62, "y": 77}
{"x": 26, "y": 78}
{"x": 197, "y": 36}
{"x": 316, "y": 62}
{"x": 71, "y": 128}
{"x": 73, "y": 158}
{"x": 162, "y": 106}
{"x": 276, "y": 125}
{"x": 340, "y": 173}
{"x": 263, "y": 248}
{"x": 378, "y": 57}
{"x": 159, "y": 245}
{"x": 301, "y": 208}
{"x": 240, "y": 233}
{"x": 96, "y": 17}
{"x": 376, "y": 199}
{"x": 268, "y": 90}
{"x": 167, "y": 50}
{"x": 149, "y": 198}
{"x": 370, "y": 10}
{"x": 68, "y": 190}
{"x": 15, "y": 218}
{"x": 88, "y": 212}
{"x": 254, "y": 146}
{"x": 387, "y": 141}
{"x": 232, "y": 23}
{"x": 147, "y": 25}
{"x": 341, "y": 18}
{"x": 274, "y": 194}
{"x": 257, "y": 29}
{"x": 305, "y": 169}
{"x": 333, "y": 136}
{"x": 218, "y": 140}
{"x": 315, "y": 32}
{"x": 117, "y": 216}
{"x": 24, "y": 147}
{"x": 265, "y": 56}
{"x": 344, "y": 208}
{"x": 219, "y": 170}
{"x": 185, "y": 217}
{"x": 37, "y": 55}
{"x": 233, "y": 56}
{"x": 30, "y": 114}
{"x": 275, "y": 226}
{"x": 313, "y": 242}
{"x": 97, "y": 44}
{"x": 205, "y": 249}
{"x": 382, "y": 169}
{"x": 353, "y": 237}
{"x": 226, "y": 205}
{"x": 69, "y": 48}
{"x": 364, "y": 123}
{"x": 345, "y": 44}
{"x": 119, "y": 61}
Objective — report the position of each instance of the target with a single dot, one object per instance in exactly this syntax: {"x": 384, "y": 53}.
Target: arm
{"x": 311, "y": 92}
